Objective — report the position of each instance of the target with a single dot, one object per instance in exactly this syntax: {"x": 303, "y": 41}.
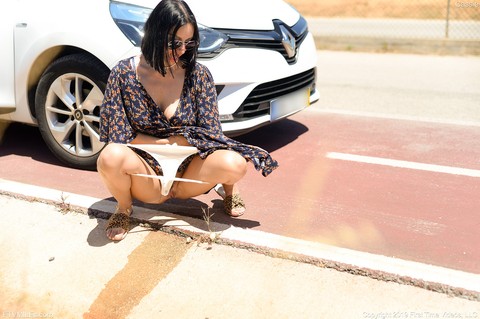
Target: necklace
{"x": 173, "y": 66}
{"x": 168, "y": 67}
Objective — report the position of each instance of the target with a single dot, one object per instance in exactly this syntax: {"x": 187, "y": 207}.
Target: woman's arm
{"x": 206, "y": 102}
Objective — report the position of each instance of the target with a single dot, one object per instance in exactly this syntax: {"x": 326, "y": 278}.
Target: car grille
{"x": 269, "y": 40}
{"x": 274, "y": 45}
{"x": 258, "y": 101}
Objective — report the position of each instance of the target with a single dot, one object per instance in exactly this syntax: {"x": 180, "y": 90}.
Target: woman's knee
{"x": 112, "y": 156}
{"x": 234, "y": 163}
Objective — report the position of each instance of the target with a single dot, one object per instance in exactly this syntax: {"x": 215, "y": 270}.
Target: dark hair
{"x": 167, "y": 17}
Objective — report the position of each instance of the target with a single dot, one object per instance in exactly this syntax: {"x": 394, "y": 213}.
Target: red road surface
{"x": 416, "y": 215}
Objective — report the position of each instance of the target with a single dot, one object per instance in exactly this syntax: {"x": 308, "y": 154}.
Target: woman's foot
{"x": 118, "y": 224}
{"x": 233, "y": 203}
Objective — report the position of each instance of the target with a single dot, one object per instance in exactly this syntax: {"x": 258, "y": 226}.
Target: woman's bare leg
{"x": 117, "y": 162}
{"x": 221, "y": 167}
{"x": 230, "y": 189}
{"x": 115, "y": 165}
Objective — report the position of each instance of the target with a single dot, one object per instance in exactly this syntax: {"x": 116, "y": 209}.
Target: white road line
{"x": 404, "y": 164}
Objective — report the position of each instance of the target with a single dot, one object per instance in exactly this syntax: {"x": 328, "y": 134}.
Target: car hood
{"x": 244, "y": 14}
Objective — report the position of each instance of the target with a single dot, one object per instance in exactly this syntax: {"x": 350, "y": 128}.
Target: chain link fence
{"x": 463, "y": 18}
{"x": 426, "y": 19}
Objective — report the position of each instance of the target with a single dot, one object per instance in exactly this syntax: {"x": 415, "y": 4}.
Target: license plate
{"x": 289, "y": 104}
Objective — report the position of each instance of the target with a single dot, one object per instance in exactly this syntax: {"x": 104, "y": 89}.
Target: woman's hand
{"x": 179, "y": 140}
{"x": 148, "y": 139}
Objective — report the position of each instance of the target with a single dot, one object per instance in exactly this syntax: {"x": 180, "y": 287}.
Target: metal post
{"x": 447, "y": 22}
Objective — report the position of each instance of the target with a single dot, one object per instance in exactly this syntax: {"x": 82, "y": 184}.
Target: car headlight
{"x": 210, "y": 40}
{"x": 131, "y": 20}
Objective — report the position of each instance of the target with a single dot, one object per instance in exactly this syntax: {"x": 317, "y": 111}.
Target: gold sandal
{"x": 234, "y": 202}
{"x": 120, "y": 220}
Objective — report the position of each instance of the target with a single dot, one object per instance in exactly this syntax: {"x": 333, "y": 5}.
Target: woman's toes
{"x": 115, "y": 233}
{"x": 237, "y": 212}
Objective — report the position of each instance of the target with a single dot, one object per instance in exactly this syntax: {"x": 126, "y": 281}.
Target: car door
{"x": 7, "y": 70}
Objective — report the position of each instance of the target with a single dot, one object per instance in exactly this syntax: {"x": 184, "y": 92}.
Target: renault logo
{"x": 288, "y": 41}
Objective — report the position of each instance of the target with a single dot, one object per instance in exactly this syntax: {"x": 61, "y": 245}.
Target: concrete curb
{"x": 398, "y": 45}
{"x": 448, "y": 281}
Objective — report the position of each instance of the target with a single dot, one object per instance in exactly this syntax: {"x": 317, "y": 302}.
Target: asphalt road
{"x": 387, "y": 162}
{"x": 443, "y": 89}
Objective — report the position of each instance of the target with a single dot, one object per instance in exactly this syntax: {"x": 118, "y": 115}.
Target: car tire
{"x": 67, "y": 107}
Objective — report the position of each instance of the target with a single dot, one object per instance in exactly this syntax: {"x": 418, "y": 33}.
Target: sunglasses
{"x": 177, "y": 44}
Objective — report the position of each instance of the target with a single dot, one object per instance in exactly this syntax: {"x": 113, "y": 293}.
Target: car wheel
{"x": 67, "y": 106}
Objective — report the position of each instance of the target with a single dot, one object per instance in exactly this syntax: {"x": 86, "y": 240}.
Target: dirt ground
{"x": 412, "y": 9}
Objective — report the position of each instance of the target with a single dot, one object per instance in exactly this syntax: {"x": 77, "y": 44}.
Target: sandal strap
{"x": 232, "y": 202}
{"x": 119, "y": 220}
{"x": 127, "y": 211}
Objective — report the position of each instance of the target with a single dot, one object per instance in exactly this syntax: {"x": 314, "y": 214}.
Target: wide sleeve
{"x": 206, "y": 101}
{"x": 114, "y": 124}
{"x": 207, "y": 135}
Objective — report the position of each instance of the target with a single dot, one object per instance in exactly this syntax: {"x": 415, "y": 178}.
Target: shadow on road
{"x": 274, "y": 136}
{"x": 195, "y": 208}
{"x": 25, "y": 140}
{"x": 171, "y": 211}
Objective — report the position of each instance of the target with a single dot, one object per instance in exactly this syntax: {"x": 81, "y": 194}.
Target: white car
{"x": 57, "y": 54}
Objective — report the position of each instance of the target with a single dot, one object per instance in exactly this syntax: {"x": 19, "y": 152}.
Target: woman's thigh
{"x": 118, "y": 163}
{"x": 220, "y": 167}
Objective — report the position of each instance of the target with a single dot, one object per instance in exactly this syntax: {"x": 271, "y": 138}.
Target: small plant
{"x": 207, "y": 216}
{"x": 211, "y": 236}
{"x": 63, "y": 206}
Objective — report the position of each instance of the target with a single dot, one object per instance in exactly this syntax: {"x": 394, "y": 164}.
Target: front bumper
{"x": 283, "y": 110}
{"x": 254, "y": 78}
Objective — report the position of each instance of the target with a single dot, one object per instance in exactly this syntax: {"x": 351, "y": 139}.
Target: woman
{"x": 163, "y": 96}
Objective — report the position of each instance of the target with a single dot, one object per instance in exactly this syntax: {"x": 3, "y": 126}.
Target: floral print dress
{"x": 128, "y": 109}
